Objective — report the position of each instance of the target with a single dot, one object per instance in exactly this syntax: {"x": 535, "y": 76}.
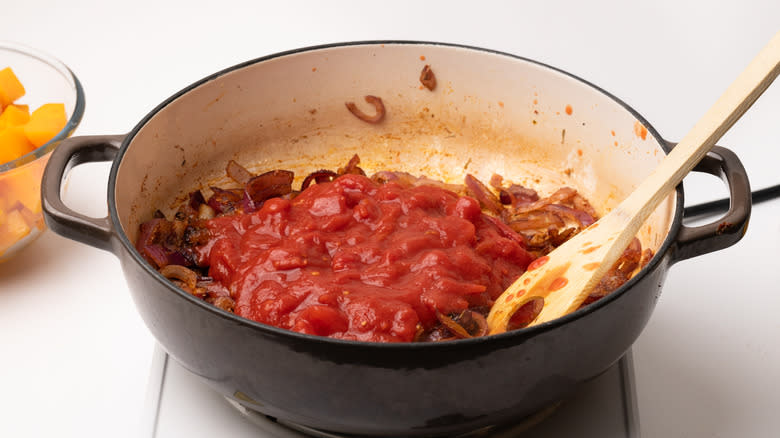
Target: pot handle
{"x": 97, "y": 232}
{"x": 728, "y": 229}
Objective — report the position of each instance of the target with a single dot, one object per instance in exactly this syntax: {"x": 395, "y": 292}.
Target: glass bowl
{"x": 46, "y": 80}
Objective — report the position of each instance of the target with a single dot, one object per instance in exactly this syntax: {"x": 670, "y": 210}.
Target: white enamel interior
{"x": 490, "y": 113}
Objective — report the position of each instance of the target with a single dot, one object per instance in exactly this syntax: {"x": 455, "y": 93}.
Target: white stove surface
{"x": 187, "y": 407}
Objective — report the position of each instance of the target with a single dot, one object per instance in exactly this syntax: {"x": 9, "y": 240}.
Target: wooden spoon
{"x": 564, "y": 277}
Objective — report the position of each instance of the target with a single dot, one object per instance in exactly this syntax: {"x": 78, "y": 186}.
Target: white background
{"x": 74, "y": 355}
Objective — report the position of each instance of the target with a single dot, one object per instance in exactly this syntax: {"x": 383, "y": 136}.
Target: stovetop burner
{"x": 485, "y": 432}
{"x": 180, "y": 404}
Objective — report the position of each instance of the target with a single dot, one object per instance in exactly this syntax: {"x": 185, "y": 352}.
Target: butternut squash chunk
{"x": 10, "y": 87}
{"x": 14, "y": 115}
{"x": 14, "y": 229}
{"x": 14, "y": 143}
{"x": 45, "y": 122}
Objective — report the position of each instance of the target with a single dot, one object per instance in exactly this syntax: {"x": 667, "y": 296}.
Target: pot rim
{"x": 507, "y": 337}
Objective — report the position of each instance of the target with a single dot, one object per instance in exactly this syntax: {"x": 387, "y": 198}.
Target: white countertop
{"x": 74, "y": 354}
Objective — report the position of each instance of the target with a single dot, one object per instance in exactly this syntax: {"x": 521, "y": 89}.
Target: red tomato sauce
{"x": 353, "y": 259}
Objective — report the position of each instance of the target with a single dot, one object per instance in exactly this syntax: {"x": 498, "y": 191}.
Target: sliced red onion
{"x": 269, "y": 185}
{"x": 507, "y": 231}
{"x": 225, "y": 201}
{"x": 534, "y": 220}
{"x": 582, "y": 218}
{"x": 319, "y": 177}
{"x": 181, "y": 273}
{"x": 481, "y": 193}
{"x": 455, "y": 328}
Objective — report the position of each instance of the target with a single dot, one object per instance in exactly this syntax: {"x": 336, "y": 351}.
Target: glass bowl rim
{"x": 73, "y": 121}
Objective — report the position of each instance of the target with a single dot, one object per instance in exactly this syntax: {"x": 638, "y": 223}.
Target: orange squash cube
{"x": 13, "y": 230}
{"x": 31, "y": 219}
{"x": 14, "y": 143}
{"x": 22, "y": 185}
{"x": 45, "y": 122}
{"x": 14, "y": 115}
{"x": 10, "y": 87}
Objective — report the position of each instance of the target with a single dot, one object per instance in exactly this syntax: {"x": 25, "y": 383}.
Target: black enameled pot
{"x": 491, "y": 112}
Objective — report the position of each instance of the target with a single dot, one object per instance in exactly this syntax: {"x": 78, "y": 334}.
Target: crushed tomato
{"x": 354, "y": 259}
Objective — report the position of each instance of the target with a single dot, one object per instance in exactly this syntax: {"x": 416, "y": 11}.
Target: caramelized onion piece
{"x": 225, "y": 201}
{"x": 190, "y": 209}
{"x": 541, "y": 242}
{"x": 475, "y": 323}
{"x": 467, "y": 324}
{"x": 582, "y": 218}
{"x": 507, "y": 231}
{"x": 187, "y": 277}
{"x": 517, "y": 195}
{"x": 621, "y": 271}
{"x": 385, "y": 176}
{"x": 438, "y": 334}
{"x": 225, "y": 303}
{"x": 647, "y": 254}
{"x": 427, "y": 78}
{"x": 269, "y": 185}
{"x": 580, "y": 203}
{"x": 319, "y": 176}
{"x": 452, "y": 326}
{"x": 205, "y": 212}
{"x": 155, "y": 238}
{"x": 535, "y": 220}
{"x": 238, "y": 173}
{"x": 155, "y": 254}
{"x": 560, "y": 196}
{"x": 378, "y": 105}
{"x": 487, "y": 199}
{"x": 352, "y": 167}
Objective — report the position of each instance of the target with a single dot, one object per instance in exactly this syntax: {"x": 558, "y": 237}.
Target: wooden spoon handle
{"x": 573, "y": 269}
{"x": 737, "y": 98}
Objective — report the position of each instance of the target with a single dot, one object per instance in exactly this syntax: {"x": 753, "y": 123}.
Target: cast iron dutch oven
{"x": 489, "y": 113}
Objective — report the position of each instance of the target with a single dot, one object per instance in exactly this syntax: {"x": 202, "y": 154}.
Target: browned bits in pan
{"x": 427, "y": 78}
{"x": 378, "y": 105}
